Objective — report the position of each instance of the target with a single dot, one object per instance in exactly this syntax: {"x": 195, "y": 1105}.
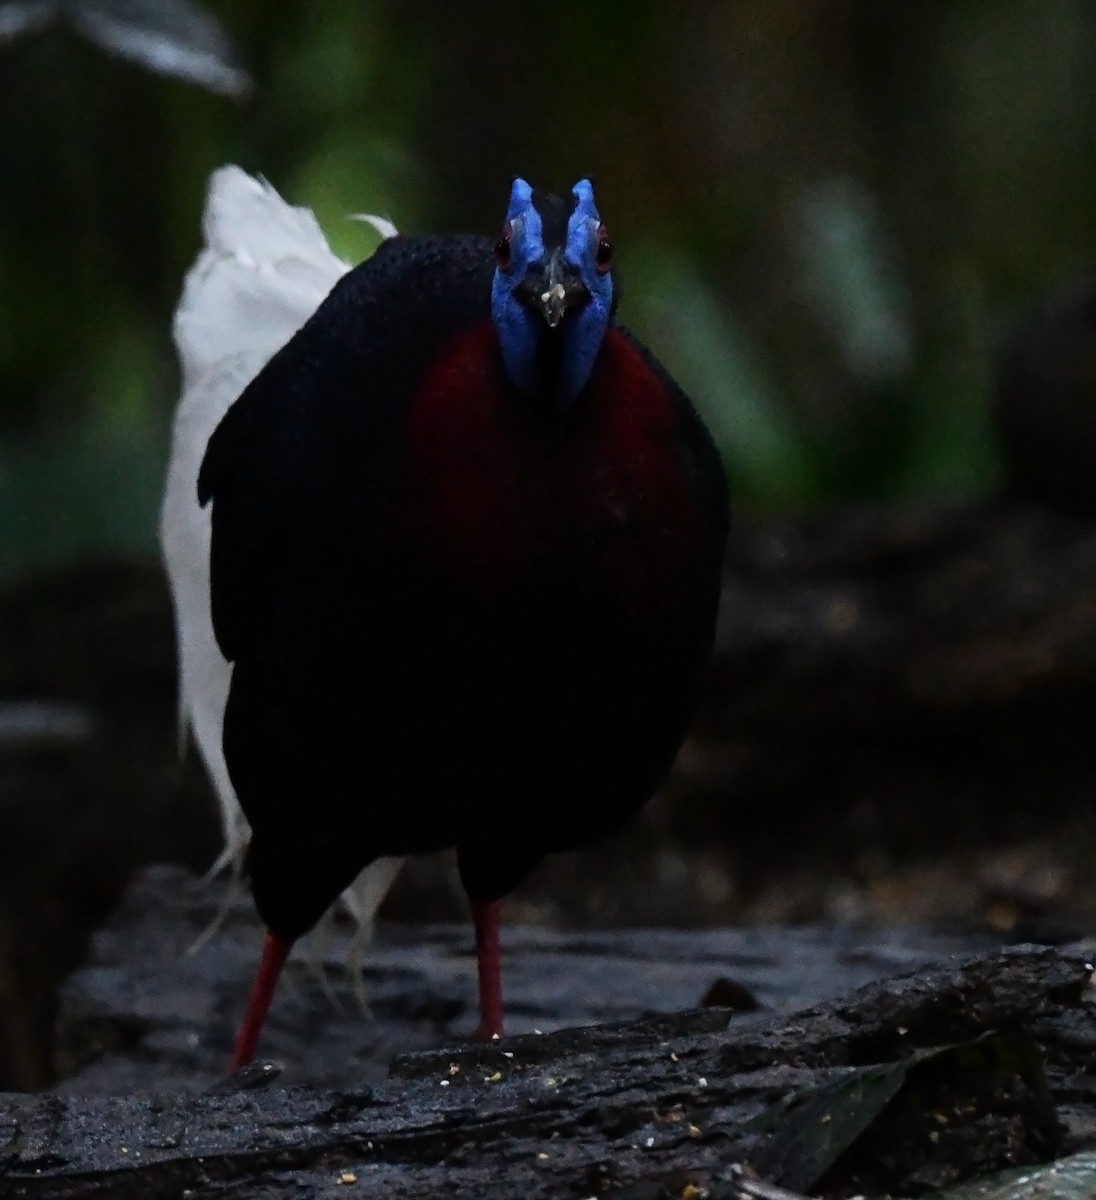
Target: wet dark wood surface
{"x": 151, "y": 1012}
{"x": 642, "y": 1107}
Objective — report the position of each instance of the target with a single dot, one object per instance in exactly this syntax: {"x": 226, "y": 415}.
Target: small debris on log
{"x": 147, "y": 1013}
{"x": 646, "y": 1109}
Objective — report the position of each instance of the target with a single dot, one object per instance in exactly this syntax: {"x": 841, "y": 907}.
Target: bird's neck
{"x": 549, "y": 366}
{"x": 499, "y": 483}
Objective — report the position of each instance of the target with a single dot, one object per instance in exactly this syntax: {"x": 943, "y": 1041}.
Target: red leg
{"x": 275, "y": 952}
{"x": 485, "y": 914}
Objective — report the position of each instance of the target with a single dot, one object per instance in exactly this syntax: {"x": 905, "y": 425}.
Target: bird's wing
{"x": 304, "y": 472}
{"x": 264, "y": 268}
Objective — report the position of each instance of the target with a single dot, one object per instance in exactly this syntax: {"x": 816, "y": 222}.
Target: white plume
{"x": 263, "y": 271}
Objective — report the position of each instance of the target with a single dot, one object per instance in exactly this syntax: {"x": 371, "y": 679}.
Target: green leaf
{"x": 853, "y": 1123}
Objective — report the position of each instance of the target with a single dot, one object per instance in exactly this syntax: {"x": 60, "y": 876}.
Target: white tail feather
{"x": 380, "y": 225}
{"x": 263, "y": 271}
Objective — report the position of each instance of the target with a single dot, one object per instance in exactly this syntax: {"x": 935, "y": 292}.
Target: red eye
{"x": 502, "y": 247}
{"x": 603, "y": 255}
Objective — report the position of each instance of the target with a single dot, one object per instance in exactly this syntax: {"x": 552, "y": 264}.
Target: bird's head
{"x": 552, "y": 296}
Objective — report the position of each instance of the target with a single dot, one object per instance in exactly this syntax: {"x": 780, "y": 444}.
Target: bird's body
{"x": 460, "y": 614}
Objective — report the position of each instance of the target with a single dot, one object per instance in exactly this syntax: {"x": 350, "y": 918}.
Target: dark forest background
{"x": 827, "y": 215}
{"x": 826, "y": 212}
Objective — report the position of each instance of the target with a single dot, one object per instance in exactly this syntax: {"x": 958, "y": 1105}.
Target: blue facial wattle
{"x": 552, "y": 294}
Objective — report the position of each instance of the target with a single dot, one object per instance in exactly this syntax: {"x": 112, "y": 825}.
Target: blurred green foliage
{"x": 826, "y": 211}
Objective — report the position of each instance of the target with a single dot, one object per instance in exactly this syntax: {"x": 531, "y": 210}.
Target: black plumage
{"x": 457, "y": 616}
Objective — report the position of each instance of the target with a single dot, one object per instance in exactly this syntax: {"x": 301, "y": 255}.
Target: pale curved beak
{"x": 554, "y": 289}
